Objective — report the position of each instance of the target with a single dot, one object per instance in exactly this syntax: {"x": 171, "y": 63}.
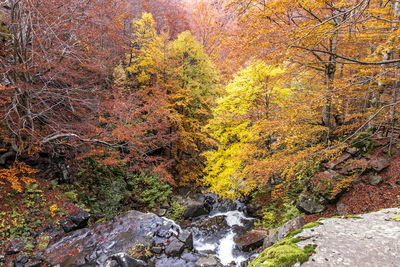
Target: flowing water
{"x": 216, "y": 233}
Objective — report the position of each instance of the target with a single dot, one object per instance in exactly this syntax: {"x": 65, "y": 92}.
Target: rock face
{"x": 370, "y": 240}
{"x": 129, "y": 234}
{"x": 77, "y": 220}
{"x": 14, "y": 246}
{"x": 274, "y": 235}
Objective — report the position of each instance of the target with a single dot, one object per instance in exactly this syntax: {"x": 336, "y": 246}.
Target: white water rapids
{"x": 225, "y": 248}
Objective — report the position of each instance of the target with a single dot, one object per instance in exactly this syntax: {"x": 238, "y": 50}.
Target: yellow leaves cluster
{"x": 17, "y": 173}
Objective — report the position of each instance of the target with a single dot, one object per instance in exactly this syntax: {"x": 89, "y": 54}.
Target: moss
{"x": 397, "y": 218}
{"x": 286, "y": 252}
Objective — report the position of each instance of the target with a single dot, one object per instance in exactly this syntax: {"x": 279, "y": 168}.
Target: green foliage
{"x": 149, "y": 190}
{"x": 110, "y": 190}
{"x": 275, "y": 215}
{"x": 363, "y": 141}
{"x": 177, "y": 211}
{"x": 102, "y": 188}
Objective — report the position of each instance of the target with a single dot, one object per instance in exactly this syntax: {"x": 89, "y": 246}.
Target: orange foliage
{"x": 17, "y": 173}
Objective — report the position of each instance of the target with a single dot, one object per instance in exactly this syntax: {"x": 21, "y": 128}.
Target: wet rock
{"x": 195, "y": 210}
{"x": 342, "y": 158}
{"x": 274, "y": 235}
{"x": 98, "y": 243}
{"x": 341, "y": 209}
{"x": 125, "y": 260}
{"x": 187, "y": 238}
{"x": 156, "y": 250}
{"x": 210, "y": 261}
{"x": 375, "y": 179}
{"x": 254, "y": 209}
{"x": 14, "y": 246}
{"x": 67, "y": 225}
{"x": 309, "y": 205}
{"x": 2, "y": 258}
{"x": 379, "y": 164}
{"x": 251, "y": 240}
{"x": 21, "y": 260}
{"x": 174, "y": 248}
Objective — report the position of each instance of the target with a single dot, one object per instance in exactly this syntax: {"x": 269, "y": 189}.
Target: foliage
{"x": 191, "y": 95}
{"x": 176, "y": 214}
{"x": 149, "y": 190}
{"x": 17, "y": 173}
{"x": 363, "y": 141}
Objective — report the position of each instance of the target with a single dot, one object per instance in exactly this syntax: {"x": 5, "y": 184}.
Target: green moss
{"x": 397, "y": 218}
{"x": 286, "y": 252}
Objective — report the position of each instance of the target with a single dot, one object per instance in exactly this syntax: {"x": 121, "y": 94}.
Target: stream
{"x": 215, "y": 234}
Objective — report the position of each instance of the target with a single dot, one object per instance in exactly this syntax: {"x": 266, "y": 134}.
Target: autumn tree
{"x": 191, "y": 95}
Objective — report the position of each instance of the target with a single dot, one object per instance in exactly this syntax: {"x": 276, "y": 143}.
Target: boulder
{"x": 210, "y": 261}
{"x": 379, "y": 164}
{"x": 195, "y": 210}
{"x": 187, "y": 238}
{"x": 353, "y": 151}
{"x": 34, "y": 263}
{"x": 375, "y": 179}
{"x": 251, "y": 240}
{"x": 274, "y": 235}
{"x": 75, "y": 221}
{"x": 355, "y": 166}
{"x": 309, "y": 205}
{"x": 14, "y": 246}
{"x": 174, "y": 248}
{"x": 131, "y": 230}
{"x": 323, "y": 184}
{"x": 156, "y": 250}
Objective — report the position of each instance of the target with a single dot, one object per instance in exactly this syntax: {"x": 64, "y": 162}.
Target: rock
{"x": 353, "y": 150}
{"x": 187, "y": 238}
{"x": 309, "y": 205}
{"x": 251, "y": 240}
{"x": 210, "y": 261}
{"x": 2, "y": 258}
{"x": 34, "y": 263}
{"x": 174, "y": 248}
{"x": 131, "y": 230}
{"x": 125, "y": 260}
{"x": 161, "y": 212}
{"x": 341, "y": 209}
{"x": 342, "y": 158}
{"x": 370, "y": 239}
{"x": 323, "y": 183}
{"x": 80, "y": 218}
{"x": 156, "y": 250}
{"x": 21, "y": 260}
{"x": 14, "y": 246}
{"x": 355, "y": 166}
{"x": 195, "y": 210}
{"x": 42, "y": 242}
{"x": 75, "y": 221}
{"x": 274, "y": 235}
{"x": 375, "y": 179}
{"x": 379, "y": 164}
{"x": 67, "y": 225}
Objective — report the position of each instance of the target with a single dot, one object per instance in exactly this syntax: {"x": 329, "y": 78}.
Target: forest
{"x": 114, "y": 105}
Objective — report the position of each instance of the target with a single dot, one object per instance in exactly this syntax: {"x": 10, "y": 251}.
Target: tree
{"x": 191, "y": 91}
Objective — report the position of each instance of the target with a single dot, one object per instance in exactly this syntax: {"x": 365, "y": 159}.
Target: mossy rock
{"x": 363, "y": 142}
{"x": 286, "y": 252}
